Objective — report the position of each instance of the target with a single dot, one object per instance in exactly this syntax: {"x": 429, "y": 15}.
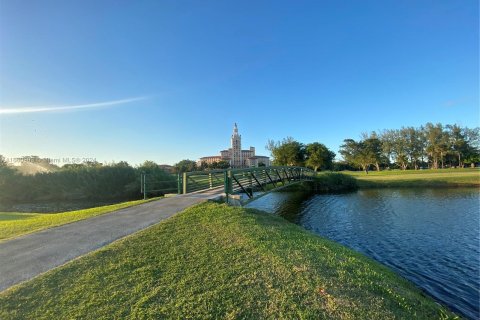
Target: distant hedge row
{"x": 84, "y": 181}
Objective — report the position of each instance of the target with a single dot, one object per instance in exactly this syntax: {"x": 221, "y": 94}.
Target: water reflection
{"x": 285, "y": 204}
{"x": 430, "y": 236}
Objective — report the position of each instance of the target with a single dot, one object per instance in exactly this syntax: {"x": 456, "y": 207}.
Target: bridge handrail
{"x": 243, "y": 180}
{"x": 191, "y": 173}
{"x": 236, "y": 170}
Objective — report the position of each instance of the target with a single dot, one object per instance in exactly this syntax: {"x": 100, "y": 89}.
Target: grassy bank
{"x": 334, "y": 182}
{"x": 418, "y": 178}
{"x": 215, "y": 261}
{"x": 13, "y": 224}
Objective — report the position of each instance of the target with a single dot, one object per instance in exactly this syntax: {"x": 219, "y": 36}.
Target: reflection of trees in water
{"x": 285, "y": 204}
{"x": 291, "y": 205}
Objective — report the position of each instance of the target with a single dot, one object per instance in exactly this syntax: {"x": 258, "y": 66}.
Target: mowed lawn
{"x": 418, "y": 178}
{"x": 14, "y": 224}
{"x": 213, "y": 261}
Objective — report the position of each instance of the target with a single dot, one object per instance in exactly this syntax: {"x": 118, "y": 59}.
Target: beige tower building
{"x": 237, "y": 157}
{"x": 236, "y": 149}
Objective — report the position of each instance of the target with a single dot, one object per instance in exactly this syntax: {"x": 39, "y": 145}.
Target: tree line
{"x": 430, "y": 146}
{"x": 93, "y": 181}
{"x": 289, "y": 152}
{"x": 190, "y": 165}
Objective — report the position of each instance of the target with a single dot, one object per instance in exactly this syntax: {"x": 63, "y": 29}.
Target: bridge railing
{"x": 249, "y": 181}
{"x": 150, "y": 185}
{"x": 263, "y": 179}
{"x": 189, "y": 182}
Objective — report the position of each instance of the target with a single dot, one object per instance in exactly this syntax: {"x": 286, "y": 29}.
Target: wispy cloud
{"x": 68, "y": 108}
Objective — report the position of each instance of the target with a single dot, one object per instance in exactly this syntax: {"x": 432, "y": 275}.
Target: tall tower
{"x": 237, "y": 159}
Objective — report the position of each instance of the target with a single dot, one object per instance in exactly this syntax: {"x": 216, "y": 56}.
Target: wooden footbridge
{"x": 241, "y": 186}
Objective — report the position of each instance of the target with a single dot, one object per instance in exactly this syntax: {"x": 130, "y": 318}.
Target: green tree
{"x": 287, "y": 152}
{"x": 203, "y": 166}
{"x": 373, "y": 146}
{"x": 414, "y": 144}
{"x": 8, "y": 180}
{"x": 472, "y": 154}
{"x": 215, "y": 165}
{"x": 158, "y": 181}
{"x": 422, "y": 142}
{"x": 223, "y": 164}
{"x": 358, "y": 154}
{"x": 435, "y": 143}
{"x": 400, "y": 148}
{"x": 185, "y": 166}
{"x": 458, "y": 143}
{"x": 387, "y": 140}
{"x": 319, "y": 156}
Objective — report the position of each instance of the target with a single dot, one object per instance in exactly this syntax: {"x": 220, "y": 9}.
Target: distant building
{"x": 168, "y": 168}
{"x": 237, "y": 157}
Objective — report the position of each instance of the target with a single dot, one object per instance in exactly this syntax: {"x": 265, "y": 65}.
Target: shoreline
{"x": 449, "y": 178}
{"x": 257, "y": 265}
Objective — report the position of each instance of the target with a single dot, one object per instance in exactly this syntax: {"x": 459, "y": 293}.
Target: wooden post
{"x": 184, "y": 183}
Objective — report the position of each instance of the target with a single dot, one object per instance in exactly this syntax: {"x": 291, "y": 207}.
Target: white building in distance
{"x": 237, "y": 157}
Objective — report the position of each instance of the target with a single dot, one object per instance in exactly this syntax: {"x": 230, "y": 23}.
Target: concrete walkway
{"x": 25, "y": 257}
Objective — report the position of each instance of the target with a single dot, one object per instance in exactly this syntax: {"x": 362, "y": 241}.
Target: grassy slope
{"x": 14, "y": 224}
{"x": 418, "y": 178}
{"x": 335, "y": 182}
{"x": 214, "y": 261}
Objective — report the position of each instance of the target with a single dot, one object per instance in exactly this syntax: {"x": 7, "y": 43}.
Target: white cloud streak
{"x": 68, "y": 108}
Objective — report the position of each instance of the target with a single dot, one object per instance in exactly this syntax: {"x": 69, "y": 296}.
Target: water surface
{"x": 429, "y": 236}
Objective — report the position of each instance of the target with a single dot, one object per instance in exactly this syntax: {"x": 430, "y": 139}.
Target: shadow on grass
{"x": 6, "y": 216}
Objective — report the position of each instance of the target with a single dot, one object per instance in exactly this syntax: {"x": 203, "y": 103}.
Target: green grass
{"x": 406, "y": 172}
{"x": 418, "y": 178}
{"x": 218, "y": 262}
{"x": 13, "y": 224}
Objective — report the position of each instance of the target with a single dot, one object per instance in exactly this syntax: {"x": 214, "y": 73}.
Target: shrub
{"x": 334, "y": 182}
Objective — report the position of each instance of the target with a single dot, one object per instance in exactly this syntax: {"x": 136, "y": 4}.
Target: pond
{"x": 429, "y": 236}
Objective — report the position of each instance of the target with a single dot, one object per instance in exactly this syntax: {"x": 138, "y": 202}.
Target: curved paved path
{"x": 25, "y": 257}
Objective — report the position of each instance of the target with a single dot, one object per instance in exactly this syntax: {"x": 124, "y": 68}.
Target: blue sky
{"x": 166, "y": 80}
